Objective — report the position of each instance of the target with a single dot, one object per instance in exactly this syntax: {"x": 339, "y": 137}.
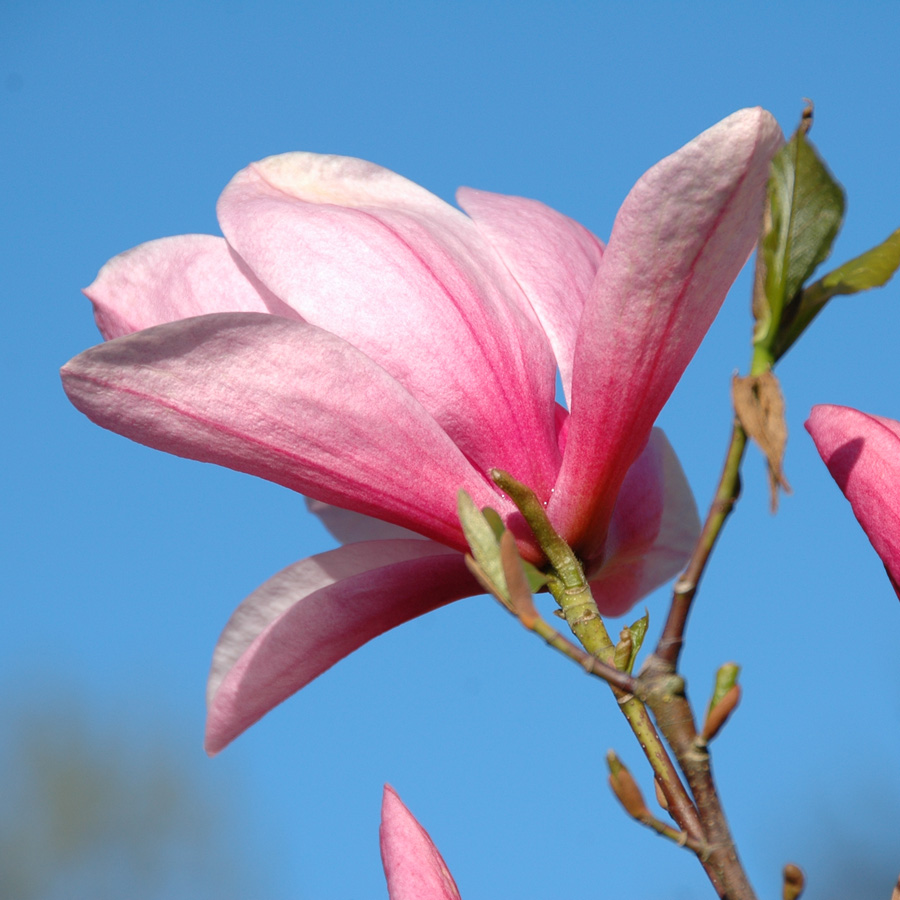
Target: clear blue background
{"x": 121, "y": 122}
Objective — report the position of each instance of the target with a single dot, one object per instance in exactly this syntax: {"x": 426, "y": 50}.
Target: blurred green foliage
{"x": 105, "y": 815}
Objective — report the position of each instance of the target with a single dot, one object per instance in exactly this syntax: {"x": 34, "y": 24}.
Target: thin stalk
{"x": 593, "y": 666}
{"x": 671, "y": 640}
{"x": 663, "y": 691}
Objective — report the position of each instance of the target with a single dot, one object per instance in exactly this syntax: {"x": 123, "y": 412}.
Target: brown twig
{"x": 671, "y": 640}
{"x": 664, "y": 693}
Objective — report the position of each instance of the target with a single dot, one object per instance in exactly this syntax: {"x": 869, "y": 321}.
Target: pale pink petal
{"x": 410, "y": 281}
{"x": 652, "y": 533}
{"x": 175, "y": 278}
{"x": 862, "y": 453}
{"x": 552, "y": 257}
{"x": 288, "y": 402}
{"x": 678, "y": 242}
{"x": 413, "y": 866}
{"x": 348, "y": 527}
{"x": 316, "y": 612}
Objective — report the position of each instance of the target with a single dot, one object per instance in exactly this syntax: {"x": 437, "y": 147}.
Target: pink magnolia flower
{"x": 360, "y": 341}
{"x": 412, "y": 865}
{"x": 862, "y": 453}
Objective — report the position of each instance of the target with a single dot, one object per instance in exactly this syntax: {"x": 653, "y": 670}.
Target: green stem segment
{"x": 576, "y": 602}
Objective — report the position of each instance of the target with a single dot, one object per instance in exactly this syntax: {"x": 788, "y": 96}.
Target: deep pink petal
{"x": 316, "y": 612}
{"x": 175, "y": 278}
{"x": 410, "y": 281}
{"x": 678, "y": 242}
{"x": 862, "y": 453}
{"x": 412, "y": 865}
{"x": 652, "y": 533}
{"x": 288, "y": 402}
{"x": 552, "y": 257}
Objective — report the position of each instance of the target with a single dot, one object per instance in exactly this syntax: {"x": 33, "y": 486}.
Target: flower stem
{"x": 572, "y": 592}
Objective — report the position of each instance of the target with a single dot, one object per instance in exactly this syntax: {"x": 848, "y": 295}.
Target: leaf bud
{"x": 726, "y": 696}
{"x": 794, "y": 882}
{"x": 720, "y": 713}
{"x": 624, "y": 651}
{"x": 626, "y": 789}
{"x": 726, "y": 678}
{"x": 660, "y": 796}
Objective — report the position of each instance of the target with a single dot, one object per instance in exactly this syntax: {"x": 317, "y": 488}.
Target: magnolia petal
{"x": 862, "y": 453}
{"x": 175, "y": 278}
{"x": 552, "y": 257}
{"x": 313, "y": 614}
{"x": 414, "y": 868}
{"x": 349, "y": 527}
{"x": 300, "y": 580}
{"x": 679, "y": 240}
{"x": 409, "y": 280}
{"x": 652, "y": 533}
{"x": 288, "y": 402}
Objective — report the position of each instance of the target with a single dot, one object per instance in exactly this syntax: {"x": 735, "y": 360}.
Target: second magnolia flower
{"x": 356, "y": 339}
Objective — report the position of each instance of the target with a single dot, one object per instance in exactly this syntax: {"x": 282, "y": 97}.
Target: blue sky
{"x": 121, "y": 122}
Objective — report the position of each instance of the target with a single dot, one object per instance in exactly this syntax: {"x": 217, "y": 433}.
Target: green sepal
{"x": 494, "y": 520}
{"x": 726, "y": 679}
{"x": 483, "y": 542}
{"x": 804, "y": 211}
{"x": 483, "y": 529}
{"x": 537, "y": 580}
{"x": 638, "y": 631}
{"x": 871, "y": 269}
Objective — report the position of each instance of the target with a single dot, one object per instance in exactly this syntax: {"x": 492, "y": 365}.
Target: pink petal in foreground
{"x": 862, "y": 453}
{"x": 285, "y": 401}
{"x": 653, "y": 531}
{"x": 551, "y": 256}
{"x": 679, "y": 240}
{"x": 316, "y": 612}
{"x": 175, "y": 278}
{"x": 411, "y": 282}
{"x": 413, "y": 866}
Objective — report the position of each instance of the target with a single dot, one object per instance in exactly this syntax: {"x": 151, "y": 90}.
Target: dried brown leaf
{"x": 759, "y": 405}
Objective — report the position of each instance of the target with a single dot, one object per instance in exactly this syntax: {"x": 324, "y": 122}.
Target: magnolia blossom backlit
{"x": 360, "y": 341}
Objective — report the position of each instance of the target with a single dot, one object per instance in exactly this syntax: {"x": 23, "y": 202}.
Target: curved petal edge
{"x": 314, "y": 613}
{"x": 413, "y": 867}
{"x": 862, "y": 453}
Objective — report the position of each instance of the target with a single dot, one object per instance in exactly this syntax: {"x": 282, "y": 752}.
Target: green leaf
{"x": 803, "y": 216}
{"x": 483, "y": 542}
{"x": 871, "y": 269}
